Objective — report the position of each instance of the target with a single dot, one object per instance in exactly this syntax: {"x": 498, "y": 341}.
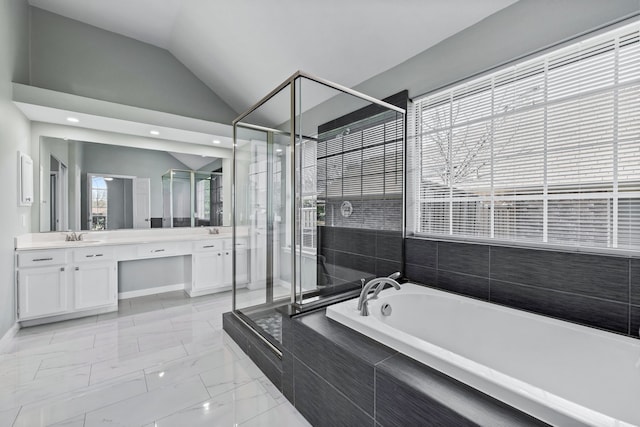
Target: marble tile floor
{"x": 161, "y": 360}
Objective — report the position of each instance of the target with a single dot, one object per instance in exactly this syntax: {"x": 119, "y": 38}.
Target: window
{"x": 307, "y": 160}
{"x": 547, "y": 150}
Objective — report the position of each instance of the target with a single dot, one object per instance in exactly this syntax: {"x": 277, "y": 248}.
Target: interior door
{"x": 142, "y": 203}
{"x": 62, "y": 194}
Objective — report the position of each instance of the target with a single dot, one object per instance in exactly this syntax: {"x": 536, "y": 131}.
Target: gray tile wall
{"x": 351, "y": 254}
{"x": 372, "y": 214}
{"x": 593, "y": 290}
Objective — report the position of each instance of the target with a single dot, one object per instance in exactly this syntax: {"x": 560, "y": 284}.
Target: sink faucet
{"x": 72, "y": 236}
{"x": 213, "y": 230}
{"x": 377, "y": 285}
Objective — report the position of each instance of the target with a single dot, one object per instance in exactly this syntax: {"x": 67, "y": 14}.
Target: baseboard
{"x": 151, "y": 291}
{"x": 68, "y": 316}
{"x": 6, "y": 338}
{"x": 193, "y": 293}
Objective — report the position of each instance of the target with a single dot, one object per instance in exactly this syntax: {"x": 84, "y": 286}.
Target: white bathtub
{"x": 559, "y": 372}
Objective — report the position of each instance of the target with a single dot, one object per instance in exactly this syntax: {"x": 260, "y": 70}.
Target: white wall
{"x": 73, "y": 57}
{"x": 14, "y": 136}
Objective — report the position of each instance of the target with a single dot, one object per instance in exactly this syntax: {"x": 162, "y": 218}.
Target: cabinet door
{"x": 227, "y": 267}
{"x": 95, "y": 284}
{"x": 241, "y": 265}
{"x": 42, "y": 292}
{"x": 207, "y": 270}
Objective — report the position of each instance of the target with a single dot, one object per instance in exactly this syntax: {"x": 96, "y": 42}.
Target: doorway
{"x": 58, "y": 185}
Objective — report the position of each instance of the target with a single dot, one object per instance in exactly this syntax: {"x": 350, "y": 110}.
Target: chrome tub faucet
{"x": 377, "y": 285}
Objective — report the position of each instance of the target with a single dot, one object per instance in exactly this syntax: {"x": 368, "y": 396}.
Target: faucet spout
{"x": 377, "y": 285}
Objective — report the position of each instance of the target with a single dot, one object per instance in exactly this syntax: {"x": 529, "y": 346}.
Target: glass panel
{"x": 349, "y": 175}
{"x": 310, "y": 213}
{"x": 181, "y": 202}
{"x": 202, "y": 199}
{"x": 263, "y": 214}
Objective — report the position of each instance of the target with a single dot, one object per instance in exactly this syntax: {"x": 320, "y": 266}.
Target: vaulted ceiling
{"x": 242, "y": 49}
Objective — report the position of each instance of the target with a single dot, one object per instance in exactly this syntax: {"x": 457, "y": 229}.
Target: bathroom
{"x": 501, "y": 170}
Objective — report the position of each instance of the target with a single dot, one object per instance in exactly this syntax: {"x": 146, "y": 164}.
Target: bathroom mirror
{"x": 96, "y": 186}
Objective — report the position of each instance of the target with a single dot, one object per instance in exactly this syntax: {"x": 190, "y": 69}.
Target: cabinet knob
{"x": 61, "y": 268}
{"x": 219, "y": 254}
{"x": 77, "y": 268}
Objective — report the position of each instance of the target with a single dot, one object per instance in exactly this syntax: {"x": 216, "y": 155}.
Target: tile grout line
{"x": 90, "y": 374}
{"x": 17, "y": 415}
{"x": 489, "y": 278}
{"x": 37, "y": 370}
{"x": 205, "y": 386}
{"x": 347, "y": 398}
{"x": 375, "y": 392}
{"x": 629, "y": 332}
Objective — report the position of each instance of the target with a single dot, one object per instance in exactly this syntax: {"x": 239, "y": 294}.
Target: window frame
{"x": 414, "y": 177}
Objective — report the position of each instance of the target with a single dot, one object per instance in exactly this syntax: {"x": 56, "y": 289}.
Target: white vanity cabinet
{"x": 61, "y": 280}
{"x": 66, "y": 282}
{"x": 206, "y": 267}
{"x": 242, "y": 267}
{"x": 42, "y": 284}
{"x": 211, "y": 266}
{"x": 95, "y": 278}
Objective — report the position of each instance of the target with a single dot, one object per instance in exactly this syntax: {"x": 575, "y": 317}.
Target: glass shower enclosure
{"x": 191, "y": 198}
{"x": 283, "y": 176}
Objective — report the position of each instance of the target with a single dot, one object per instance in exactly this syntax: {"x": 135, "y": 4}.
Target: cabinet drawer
{"x": 42, "y": 258}
{"x": 208, "y": 246}
{"x": 228, "y": 243}
{"x": 93, "y": 254}
{"x": 151, "y": 250}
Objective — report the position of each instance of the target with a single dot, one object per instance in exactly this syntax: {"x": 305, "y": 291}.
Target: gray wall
{"x": 73, "y": 57}
{"x": 116, "y": 160}
{"x": 70, "y": 153}
{"x": 153, "y": 273}
{"x": 14, "y": 136}
{"x": 520, "y": 29}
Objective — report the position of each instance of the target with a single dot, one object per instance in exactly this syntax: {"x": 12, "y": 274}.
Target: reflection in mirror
{"x": 58, "y": 184}
{"x": 94, "y": 186}
{"x": 191, "y": 198}
{"x": 111, "y": 202}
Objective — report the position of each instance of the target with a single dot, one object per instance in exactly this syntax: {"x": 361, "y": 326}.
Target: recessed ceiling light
{"x": 154, "y": 132}
{"x": 216, "y": 141}
{"x": 279, "y": 150}
{"x": 72, "y": 119}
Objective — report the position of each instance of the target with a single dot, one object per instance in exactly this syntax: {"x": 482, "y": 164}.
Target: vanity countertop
{"x": 56, "y": 240}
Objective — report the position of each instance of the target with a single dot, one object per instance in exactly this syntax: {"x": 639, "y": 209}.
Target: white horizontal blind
{"x": 362, "y": 160}
{"x": 545, "y": 151}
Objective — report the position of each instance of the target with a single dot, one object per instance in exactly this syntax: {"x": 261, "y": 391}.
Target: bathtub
{"x": 559, "y": 372}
